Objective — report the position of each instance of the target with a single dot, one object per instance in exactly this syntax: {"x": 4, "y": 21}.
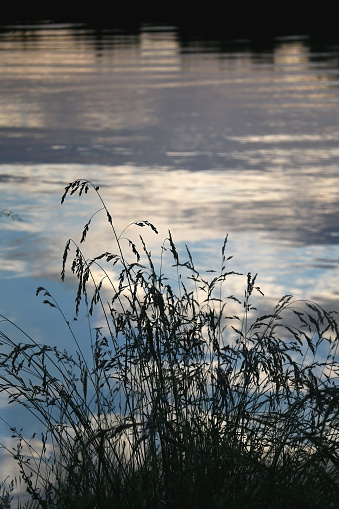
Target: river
{"x": 202, "y": 138}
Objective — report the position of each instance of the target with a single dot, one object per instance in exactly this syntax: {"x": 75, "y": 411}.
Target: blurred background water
{"x": 200, "y": 135}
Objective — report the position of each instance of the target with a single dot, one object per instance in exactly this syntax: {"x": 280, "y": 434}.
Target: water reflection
{"x": 202, "y": 141}
{"x": 264, "y": 210}
{"x": 258, "y": 129}
{"x": 205, "y": 136}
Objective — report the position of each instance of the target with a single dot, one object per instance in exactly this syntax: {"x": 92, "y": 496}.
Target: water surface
{"x": 193, "y": 138}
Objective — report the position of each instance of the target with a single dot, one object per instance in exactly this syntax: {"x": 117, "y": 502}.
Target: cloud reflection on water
{"x": 267, "y": 215}
{"x": 190, "y": 138}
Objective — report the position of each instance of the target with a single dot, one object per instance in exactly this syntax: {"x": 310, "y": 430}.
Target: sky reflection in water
{"x": 193, "y": 139}
{"x": 200, "y": 142}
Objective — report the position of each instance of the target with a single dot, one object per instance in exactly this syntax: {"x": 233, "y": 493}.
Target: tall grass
{"x": 188, "y": 400}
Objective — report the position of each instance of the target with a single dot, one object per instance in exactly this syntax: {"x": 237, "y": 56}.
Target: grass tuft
{"x": 189, "y": 398}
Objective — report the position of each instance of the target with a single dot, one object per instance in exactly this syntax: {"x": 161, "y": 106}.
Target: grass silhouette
{"x": 184, "y": 402}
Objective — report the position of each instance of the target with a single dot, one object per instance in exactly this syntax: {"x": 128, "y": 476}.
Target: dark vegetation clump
{"x": 188, "y": 400}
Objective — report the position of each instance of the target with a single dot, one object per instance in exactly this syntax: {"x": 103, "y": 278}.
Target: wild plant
{"x": 189, "y": 399}
{"x": 6, "y": 497}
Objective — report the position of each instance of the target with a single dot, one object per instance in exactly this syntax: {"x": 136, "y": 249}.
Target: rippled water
{"x": 197, "y": 138}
